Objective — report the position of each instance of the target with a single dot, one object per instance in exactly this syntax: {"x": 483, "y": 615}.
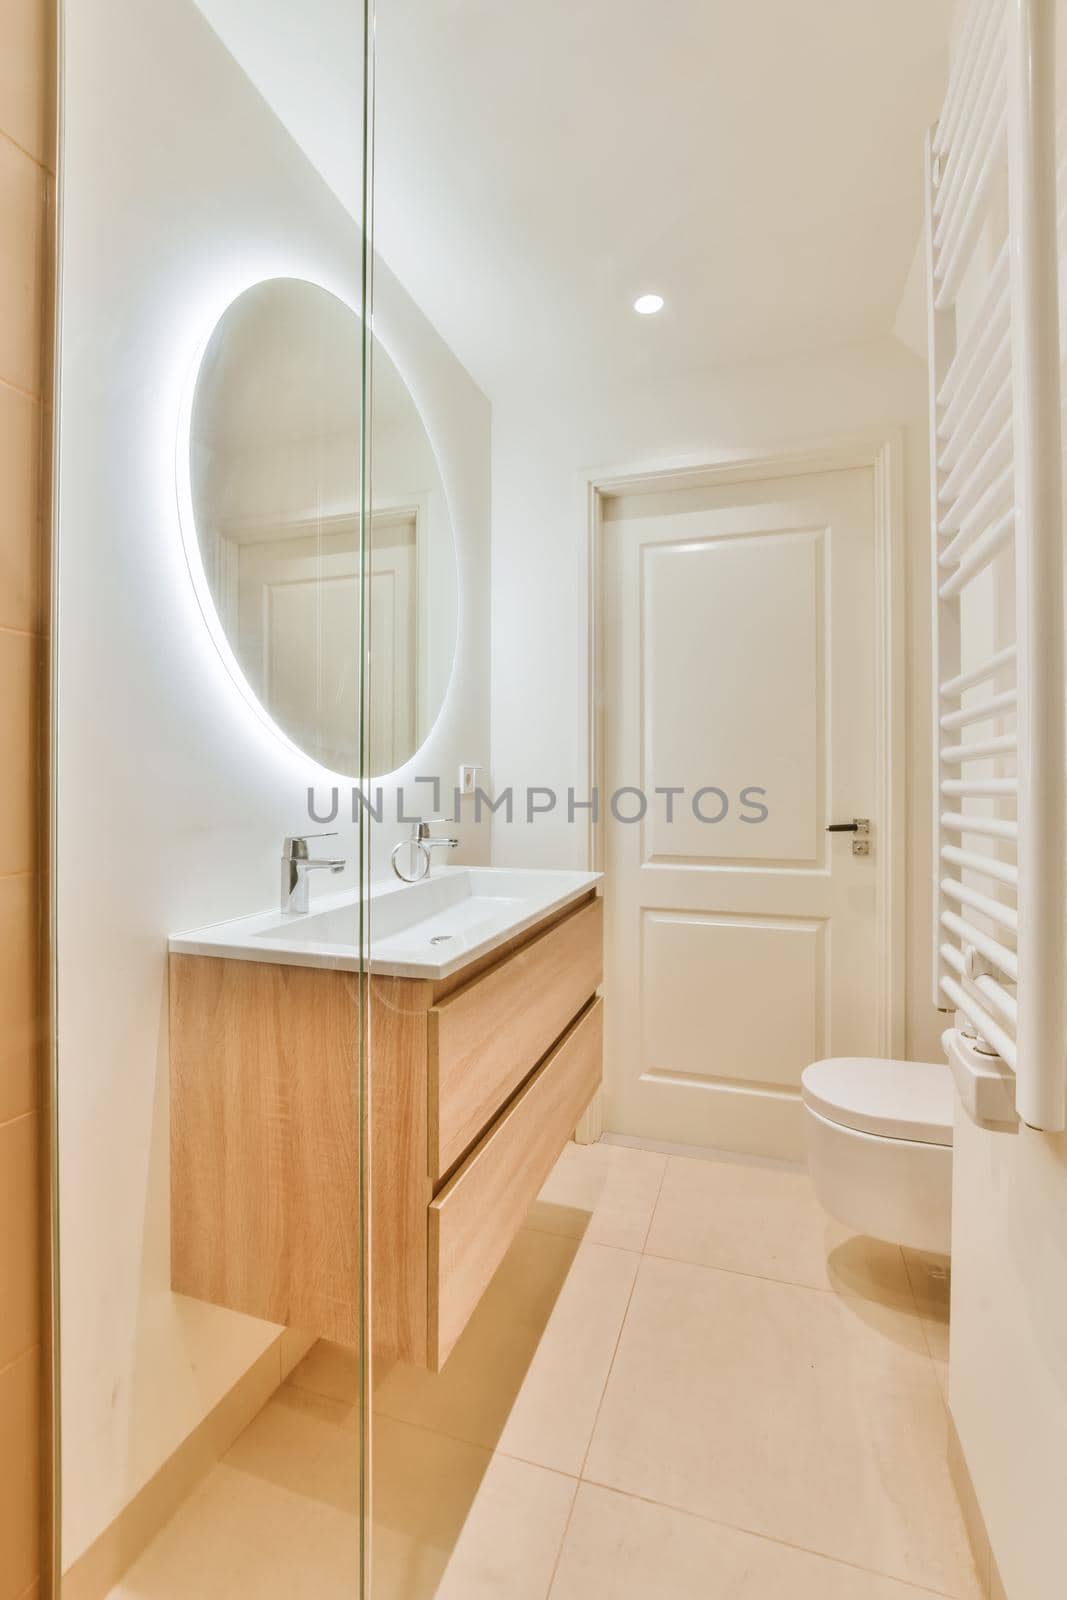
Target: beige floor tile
{"x": 940, "y": 1365}
{"x": 278, "y": 1517}
{"x": 453, "y": 1522}
{"x": 765, "y": 1220}
{"x": 293, "y": 1349}
{"x": 972, "y": 1513}
{"x": 618, "y": 1548}
{"x": 800, "y": 1415}
{"x": 937, "y": 1339}
{"x": 931, "y": 1284}
{"x": 306, "y": 1445}
{"x": 602, "y": 1193}
{"x": 529, "y": 1371}
{"x": 242, "y": 1535}
{"x": 147, "y": 1514}
{"x": 329, "y": 1369}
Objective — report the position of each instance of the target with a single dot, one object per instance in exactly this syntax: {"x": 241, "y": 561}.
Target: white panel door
{"x": 740, "y": 672}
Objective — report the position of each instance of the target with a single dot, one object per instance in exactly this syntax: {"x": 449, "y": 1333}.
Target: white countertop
{"x": 420, "y": 930}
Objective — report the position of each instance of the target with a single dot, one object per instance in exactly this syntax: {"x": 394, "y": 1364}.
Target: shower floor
{"x": 684, "y": 1381}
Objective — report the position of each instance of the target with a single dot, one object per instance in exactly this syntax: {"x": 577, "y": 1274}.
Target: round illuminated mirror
{"x": 274, "y": 482}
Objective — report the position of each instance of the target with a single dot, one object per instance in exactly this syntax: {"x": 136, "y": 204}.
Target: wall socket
{"x": 468, "y": 779}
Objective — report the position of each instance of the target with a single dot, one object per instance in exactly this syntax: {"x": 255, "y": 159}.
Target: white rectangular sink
{"x": 416, "y": 930}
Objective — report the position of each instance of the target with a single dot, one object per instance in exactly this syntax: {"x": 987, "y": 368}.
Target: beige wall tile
{"x": 19, "y": 1475}
{"x": 20, "y": 554}
{"x": 25, "y": 115}
{"x": 809, "y": 1418}
{"x": 20, "y": 999}
{"x": 631, "y": 1550}
{"x": 19, "y": 1238}
{"x": 24, "y": 88}
{"x": 22, "y": 243}
{"x": 20, "y": 682}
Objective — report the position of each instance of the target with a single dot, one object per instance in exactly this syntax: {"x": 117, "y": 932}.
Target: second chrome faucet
{"x": 414, "y": 852}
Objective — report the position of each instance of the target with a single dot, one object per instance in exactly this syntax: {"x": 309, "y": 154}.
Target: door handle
{"x": 861, "y": 828}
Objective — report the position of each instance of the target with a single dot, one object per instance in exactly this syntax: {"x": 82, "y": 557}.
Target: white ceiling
{"x": 538, "y": 165}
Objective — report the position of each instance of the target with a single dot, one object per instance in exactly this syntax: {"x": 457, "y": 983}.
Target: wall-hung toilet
{"x": 879, "y": 1136}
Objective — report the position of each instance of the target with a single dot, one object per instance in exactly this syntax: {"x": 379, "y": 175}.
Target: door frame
{"x": 882, "y": 453}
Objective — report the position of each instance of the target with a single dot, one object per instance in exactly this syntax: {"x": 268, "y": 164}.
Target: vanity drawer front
{"x": 478, "y": 1213}
{"x": 485, "y": 1038}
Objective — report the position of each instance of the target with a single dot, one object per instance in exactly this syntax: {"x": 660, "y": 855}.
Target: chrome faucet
{"x": 418, "y": 846}
{"x": 296, "y": 865}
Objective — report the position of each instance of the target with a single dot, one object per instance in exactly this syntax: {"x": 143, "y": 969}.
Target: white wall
{"x": 1008, "y": 1356}
{"x": 909, "y": 325}
{"x": 180, "y": 189}
{"x": 405, "y": 470}
{"x": 540, "y": 581}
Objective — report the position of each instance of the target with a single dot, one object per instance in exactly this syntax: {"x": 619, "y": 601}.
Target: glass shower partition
{"x": 211, "y": 717}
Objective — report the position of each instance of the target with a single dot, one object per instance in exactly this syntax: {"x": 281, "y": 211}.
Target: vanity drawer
{"x": 478, "y": 1213}
{"x": 485, "y": 1038}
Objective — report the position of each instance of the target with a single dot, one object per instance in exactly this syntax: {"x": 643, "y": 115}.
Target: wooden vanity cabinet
{"x": 477, "y": 1083}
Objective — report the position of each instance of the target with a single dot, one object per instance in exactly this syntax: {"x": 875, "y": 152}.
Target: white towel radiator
{"x": 1000, "y": 842}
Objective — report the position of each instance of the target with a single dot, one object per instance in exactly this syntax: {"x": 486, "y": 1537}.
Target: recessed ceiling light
{"x": 646, "y": 305}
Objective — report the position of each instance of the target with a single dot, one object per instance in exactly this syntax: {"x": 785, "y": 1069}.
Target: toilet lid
{"x": 892, "y": 1099}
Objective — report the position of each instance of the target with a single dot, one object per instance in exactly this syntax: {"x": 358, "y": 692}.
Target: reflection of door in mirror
{"x": 292, "y": 600}
{"x": 291, "y": 596}
{"x": 394, "y": 667}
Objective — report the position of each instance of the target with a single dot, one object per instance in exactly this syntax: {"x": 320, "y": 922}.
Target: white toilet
{"x": 880, "y": 1146}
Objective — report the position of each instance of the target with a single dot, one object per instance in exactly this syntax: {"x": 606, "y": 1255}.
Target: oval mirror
{"x": 274, "y": 447}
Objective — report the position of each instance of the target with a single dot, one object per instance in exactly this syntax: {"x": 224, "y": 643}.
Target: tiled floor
{"x": 683, "y": 1382}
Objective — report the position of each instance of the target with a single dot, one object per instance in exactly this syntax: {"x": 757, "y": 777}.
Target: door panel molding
{"x": 688, "y": 1014}
{"x": 785, "y": 708}
{"x": 882, "y": 453}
